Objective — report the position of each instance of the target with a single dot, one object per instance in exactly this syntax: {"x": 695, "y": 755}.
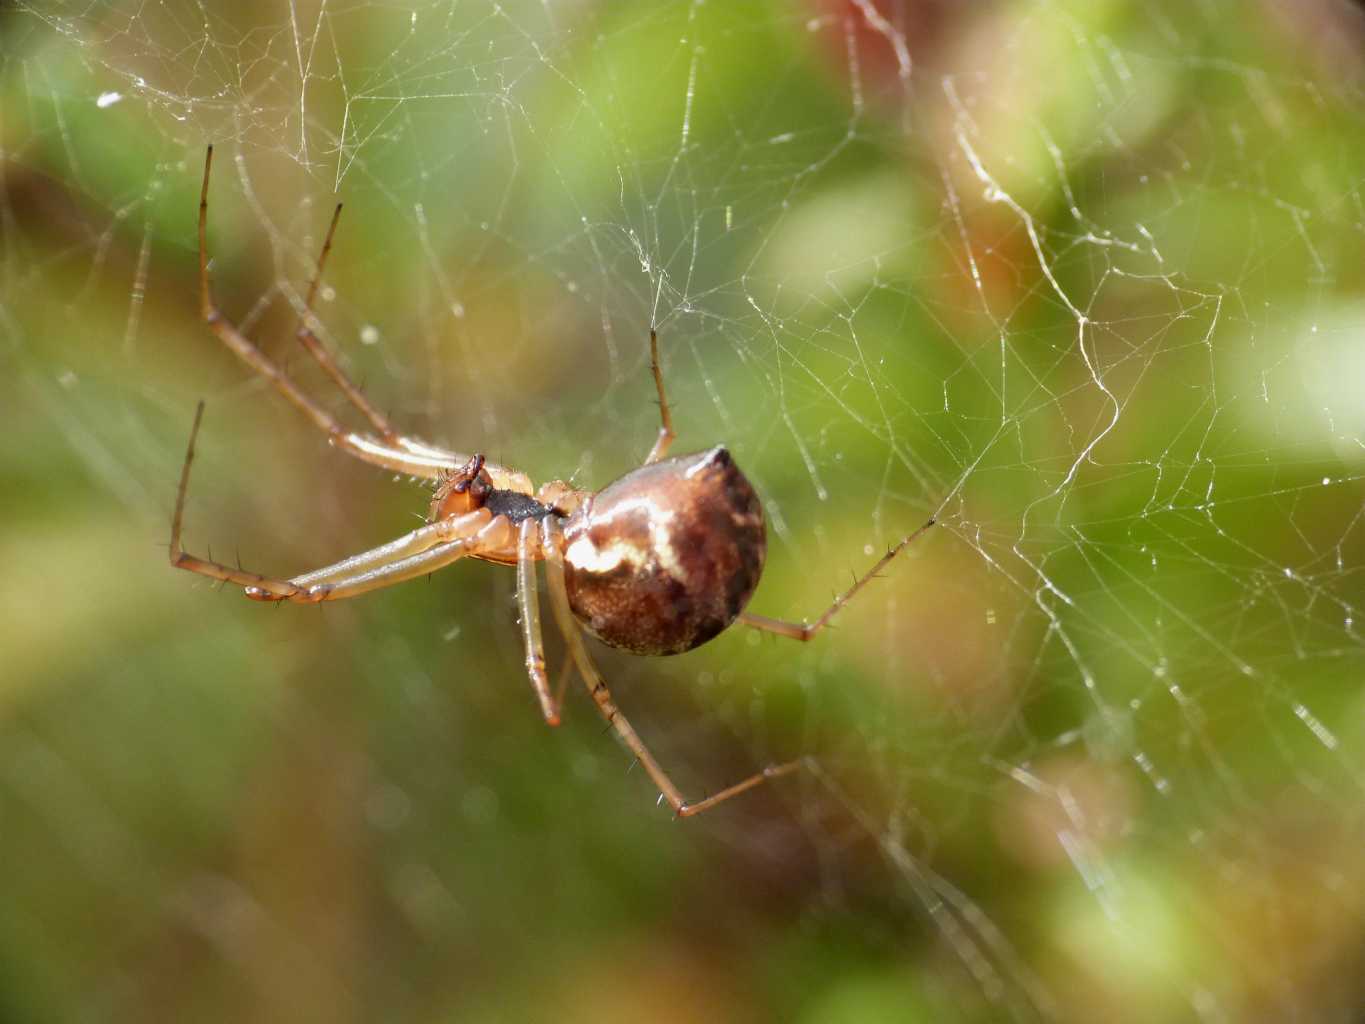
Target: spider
{"x": 656, "y": 563}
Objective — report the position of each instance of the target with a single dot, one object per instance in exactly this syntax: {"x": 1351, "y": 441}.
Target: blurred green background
{"x": 1086, "y": 280}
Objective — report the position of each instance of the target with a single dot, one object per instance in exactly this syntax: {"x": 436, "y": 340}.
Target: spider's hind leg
{"x": 666, "y": 434}
{"x": 551, "y": 539}
{"x": 806, "y": 631}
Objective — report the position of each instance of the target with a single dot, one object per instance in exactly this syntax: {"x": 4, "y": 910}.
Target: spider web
{"x": 1082, "y": 281}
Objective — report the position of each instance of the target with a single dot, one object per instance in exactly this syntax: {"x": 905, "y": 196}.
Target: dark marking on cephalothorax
{"x": 666, "y": 557}
{"x": 515, "y": 506}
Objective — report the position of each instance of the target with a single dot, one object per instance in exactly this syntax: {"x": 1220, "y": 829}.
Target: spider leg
{"x": 325, "y": 359}
{"x": 490, "y": 536}
{"x": 562, "y": 683}
{"x": 531, "y": 634}
{"x": 425, "y": 538}
{"x": 805, "y": 631}
{"x": 401, "y": 454}
{"x": 181, "y": 559}
{"x": 666, "y": 435}
{"x": 772, "y": 771}
{"x": 414, "y": 554}
{"x": 551, "y": 542}
{"x": 494, "y": 536}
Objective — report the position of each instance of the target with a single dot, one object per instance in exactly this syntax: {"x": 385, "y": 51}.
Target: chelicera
{"x": 656, "y": 563}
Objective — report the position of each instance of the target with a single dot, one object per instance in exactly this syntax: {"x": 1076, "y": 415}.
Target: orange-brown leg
{"x": 494, "y": 536}
{"x": 528, "y": 548}
{"x": 805, "y": 631}
{"x": 551, "y": 543}
{"x": 326, "y": 360}
{"x": 401, "y": 454}
{"x": 422, "y": 551}
{"x": 666, "y": 435}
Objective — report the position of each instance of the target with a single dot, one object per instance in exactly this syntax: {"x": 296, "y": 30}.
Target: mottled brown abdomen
{"x": 665, "y": 558}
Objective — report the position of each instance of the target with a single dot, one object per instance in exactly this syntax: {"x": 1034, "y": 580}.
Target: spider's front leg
{"x": 417, "y": 553}
{"x": 432, "y": 547}
{"x": 389, "y": 449}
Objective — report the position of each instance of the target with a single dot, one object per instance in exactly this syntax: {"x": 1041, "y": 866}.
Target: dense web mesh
{"x": 1083, "y": 281}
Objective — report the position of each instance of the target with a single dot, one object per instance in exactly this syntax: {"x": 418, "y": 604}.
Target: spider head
{"x": 461, "y": 490}
{"x": 666, "y": 557}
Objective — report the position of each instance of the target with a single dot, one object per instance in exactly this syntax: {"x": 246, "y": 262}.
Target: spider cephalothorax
{"x": 656, "y": 563}
{"x": 470, "y": 488}
{"x": 665, "y": 558}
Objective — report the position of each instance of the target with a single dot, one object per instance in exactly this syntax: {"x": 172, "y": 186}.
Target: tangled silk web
{"x": 1082, "y": 280}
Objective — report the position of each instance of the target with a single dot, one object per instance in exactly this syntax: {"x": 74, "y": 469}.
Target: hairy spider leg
{"x": 552, "y": 546}
{"x": 415, "y": 554}
{"x": 531, "y": 635}
{"x": 666, "y": 435}
{"x": 404, "y": 455}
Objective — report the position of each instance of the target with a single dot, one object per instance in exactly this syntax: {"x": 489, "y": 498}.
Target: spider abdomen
{"x": 666, "y": 557}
